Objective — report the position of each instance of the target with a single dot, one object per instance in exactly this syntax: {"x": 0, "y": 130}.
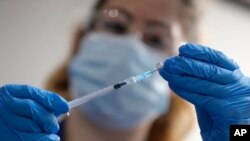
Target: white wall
{"x": 228, "y": 29}
{"x": 35, "y": 37}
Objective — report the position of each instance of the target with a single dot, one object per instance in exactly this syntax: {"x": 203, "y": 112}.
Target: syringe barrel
{"x": 86, "y": 98}
{"x": 129, "y": 81}
{"x": 76, "y": 102}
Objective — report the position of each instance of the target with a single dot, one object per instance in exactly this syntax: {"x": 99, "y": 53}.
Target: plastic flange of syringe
{"x": 159, "y": 65}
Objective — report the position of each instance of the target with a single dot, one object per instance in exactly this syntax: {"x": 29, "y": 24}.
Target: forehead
{"x": 157, "y": 10}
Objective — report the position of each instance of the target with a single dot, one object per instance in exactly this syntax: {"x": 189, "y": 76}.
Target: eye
{"x": 154, "y": 41}
{"x": 115, "y": 27}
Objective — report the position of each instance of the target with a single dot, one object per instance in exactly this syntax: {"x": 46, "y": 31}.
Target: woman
{"x": 126, "y": 37}
{"x": 162, "y": 25}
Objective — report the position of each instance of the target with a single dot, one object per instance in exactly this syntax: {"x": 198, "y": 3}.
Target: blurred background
{"x": 35, "y": 36}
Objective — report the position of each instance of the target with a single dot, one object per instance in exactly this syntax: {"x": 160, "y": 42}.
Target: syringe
{"x": 131, "y": 80}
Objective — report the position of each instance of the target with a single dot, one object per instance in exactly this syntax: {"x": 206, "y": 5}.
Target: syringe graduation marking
{"x": 119, "y": 85}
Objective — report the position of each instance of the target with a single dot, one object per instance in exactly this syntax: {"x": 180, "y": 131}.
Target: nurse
{"x": 125, "y": 37}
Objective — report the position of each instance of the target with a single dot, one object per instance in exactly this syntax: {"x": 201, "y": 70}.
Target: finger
{"x": 202, "y": 53}
{"x": 38, "y": 136}
{"x": 193, "y": 68}
{"x": 17, "y": 122}
{"x": 195, "y": 85}
{"x": 30, "y": 109}
{"x": 50, "y": 100}
{"x": 193, "y": 98}
{"x": 204, "y": 120}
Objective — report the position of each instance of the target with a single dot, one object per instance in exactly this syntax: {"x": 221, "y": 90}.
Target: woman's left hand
{"x": 214, "y": 84}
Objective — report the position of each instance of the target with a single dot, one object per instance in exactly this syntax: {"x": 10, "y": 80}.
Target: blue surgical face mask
{"x": 105, "y": 59}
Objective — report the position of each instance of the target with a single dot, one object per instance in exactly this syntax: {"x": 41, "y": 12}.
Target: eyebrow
{"x": 149, "y": 23}
{"x": 154, "y": 23}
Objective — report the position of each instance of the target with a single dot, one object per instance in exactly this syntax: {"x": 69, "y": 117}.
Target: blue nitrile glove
{"x": 214, "y": 84}
{"x": 29, "y": 114}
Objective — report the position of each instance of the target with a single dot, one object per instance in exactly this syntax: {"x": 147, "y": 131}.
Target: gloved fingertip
{"x": 183, "y": 46}
{"x": 161, "y": 72}
{"x": 176, "y": 65}
{"x": 187, "y": 49}
{"x": 53, "y": 127}
{"x": 236, "y": 65}
{"x": 178, "y": 91}
{"x": 164, "y": 74}
{"x": 38, "y": 136}
{"x": 53, "y": 137}
{"x": 9, "y": 100}
{"x": 169, "y": 63}
{"x": 10, "y": 86}
{"x": 171, "y": 86}
{"x": 175, "y": 89}
{"x": 60, "y": 104}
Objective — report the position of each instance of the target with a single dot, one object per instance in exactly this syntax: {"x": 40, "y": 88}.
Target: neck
{"x": 81, "y": 129}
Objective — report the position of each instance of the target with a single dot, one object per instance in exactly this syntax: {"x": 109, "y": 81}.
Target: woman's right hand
{"x": 29, "y": 114}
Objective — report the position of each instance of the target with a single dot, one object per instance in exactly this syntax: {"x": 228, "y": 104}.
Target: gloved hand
{"x": 214, "y": 84}
{"x": 29, "y": 114}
